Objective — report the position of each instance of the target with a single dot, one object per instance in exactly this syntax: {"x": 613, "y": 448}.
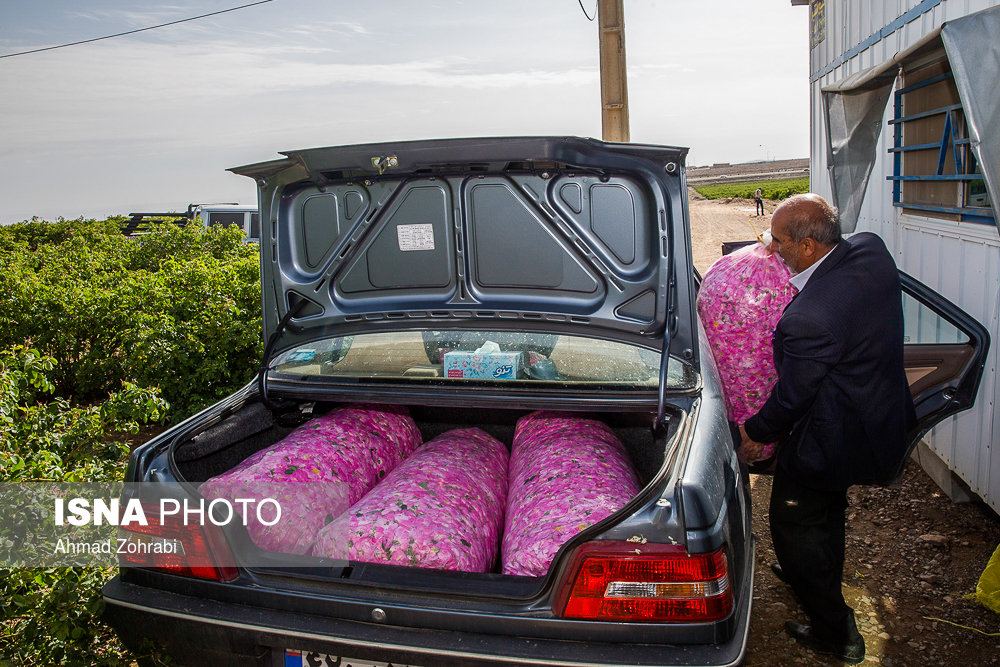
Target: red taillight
{"x": 654, "y": 583}
{"x": 188, "y": 550}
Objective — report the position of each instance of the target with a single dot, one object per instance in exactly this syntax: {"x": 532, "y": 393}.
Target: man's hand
{"x": 749, "y": 450}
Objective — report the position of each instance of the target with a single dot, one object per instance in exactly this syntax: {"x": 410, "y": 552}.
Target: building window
{"x": 935, "y": 173}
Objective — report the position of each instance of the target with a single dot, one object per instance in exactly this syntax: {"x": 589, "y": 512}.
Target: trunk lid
{"x": 557, "y": 235}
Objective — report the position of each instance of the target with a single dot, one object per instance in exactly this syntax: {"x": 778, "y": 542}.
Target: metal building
{"x": 905, "y": 126}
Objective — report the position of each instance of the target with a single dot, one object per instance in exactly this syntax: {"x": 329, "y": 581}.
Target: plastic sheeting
{"x": 317, "y": 471}
{"x": 566, "y": 474}
{"x": 853, "y": 125}
{"x": 741, "y": 299}
{"x": 988, "y": 588}
{"x": 855, "y": 107}
{"x": 442, "y": 508}
{"x": 973, "y": 46}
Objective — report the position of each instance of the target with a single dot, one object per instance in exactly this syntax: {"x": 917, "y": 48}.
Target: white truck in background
{"x": 246, "y": 218}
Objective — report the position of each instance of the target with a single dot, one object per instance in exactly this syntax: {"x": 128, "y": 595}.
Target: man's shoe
{"x": 778, "y": 572}
{"x": 853, "y": 652}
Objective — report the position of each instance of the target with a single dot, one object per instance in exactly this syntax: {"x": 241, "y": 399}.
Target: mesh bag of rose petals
{"x": 566, "y": 474}
{"x": 442, "y": 508}
{"x": 317, "y": 471}
{"x": 740, "y": 302}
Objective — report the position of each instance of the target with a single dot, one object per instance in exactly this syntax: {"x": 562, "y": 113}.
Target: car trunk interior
{"x": 221, "y": 446}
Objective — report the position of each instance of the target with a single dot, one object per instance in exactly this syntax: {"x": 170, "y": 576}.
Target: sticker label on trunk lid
{"x": 415, "y": 237}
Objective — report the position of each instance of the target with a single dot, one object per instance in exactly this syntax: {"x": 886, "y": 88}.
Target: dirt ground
{"x": 912, "y": 554}
{"x": 715, "y": 221}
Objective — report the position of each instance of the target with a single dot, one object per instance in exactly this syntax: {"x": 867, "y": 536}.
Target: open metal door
{"x": 944, "y": 352}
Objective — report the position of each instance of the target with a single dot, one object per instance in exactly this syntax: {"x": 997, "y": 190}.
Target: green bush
{"x": 53, "y": 441}
{"x": 178, "y": 309}
{"x": 773, "y": 190}
{"x": 89, "y": 320}
{"x": 52, "y": 615}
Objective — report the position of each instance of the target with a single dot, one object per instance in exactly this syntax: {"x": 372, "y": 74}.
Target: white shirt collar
{"x": 799, "y": 280}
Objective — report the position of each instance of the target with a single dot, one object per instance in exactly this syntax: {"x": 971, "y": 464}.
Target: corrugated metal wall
{"x": 965, "y": 267}
{"x": 959, "y": 260}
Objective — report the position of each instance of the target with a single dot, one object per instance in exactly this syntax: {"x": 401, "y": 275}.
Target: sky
{"x": 151, "y": 121}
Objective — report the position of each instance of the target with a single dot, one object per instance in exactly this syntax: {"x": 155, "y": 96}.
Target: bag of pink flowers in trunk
{"x": 317, "y": 471}
{"x": 740, "y": 302}
{"x": 566, "y": 474}
{"x": 442, "y": 508}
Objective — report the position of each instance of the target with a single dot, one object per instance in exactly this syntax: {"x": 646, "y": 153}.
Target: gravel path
{"x": 716, "y": 221}
{"x": 912, "y": 556}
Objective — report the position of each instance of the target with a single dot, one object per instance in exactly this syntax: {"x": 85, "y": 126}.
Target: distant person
{"x": 841, "y": 410}
{"x": 758, "y": 197}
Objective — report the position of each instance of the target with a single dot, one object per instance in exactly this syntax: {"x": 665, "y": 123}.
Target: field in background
{"x": 774, "y": 190}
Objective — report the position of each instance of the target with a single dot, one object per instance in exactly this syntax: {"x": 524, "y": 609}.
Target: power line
{"x": 589, "y": 17}
{"x": 132, "y": 32}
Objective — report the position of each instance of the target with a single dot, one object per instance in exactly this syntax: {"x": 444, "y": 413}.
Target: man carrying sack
{"x": 841, "y": 408}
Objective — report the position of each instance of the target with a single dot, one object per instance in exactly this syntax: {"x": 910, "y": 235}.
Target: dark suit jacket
{"x": 842, "y": 407}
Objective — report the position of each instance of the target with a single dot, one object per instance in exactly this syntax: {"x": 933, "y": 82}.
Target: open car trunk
{"x": 218, "y": 447}
{"x": 491, "y": 249}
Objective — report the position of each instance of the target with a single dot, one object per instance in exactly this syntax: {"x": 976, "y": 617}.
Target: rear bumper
{"x": 197, "y": 631}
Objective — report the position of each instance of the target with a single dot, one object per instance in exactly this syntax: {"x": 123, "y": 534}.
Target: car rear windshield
{"x": 483, "y": 356}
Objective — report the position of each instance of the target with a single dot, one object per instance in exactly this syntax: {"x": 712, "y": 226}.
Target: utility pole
{"x": 614, "y": 85}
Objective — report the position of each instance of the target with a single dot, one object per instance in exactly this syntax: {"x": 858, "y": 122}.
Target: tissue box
{"x": 483, "y": 365}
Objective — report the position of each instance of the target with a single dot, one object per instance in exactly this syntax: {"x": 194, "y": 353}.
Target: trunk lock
{"x": 383, "y": 162}
{"x": 378, "y": 615}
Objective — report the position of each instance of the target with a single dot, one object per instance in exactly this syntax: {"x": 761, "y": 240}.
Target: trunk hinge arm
{"x": 662, "y": 418}
{"x": 283, "y": 324}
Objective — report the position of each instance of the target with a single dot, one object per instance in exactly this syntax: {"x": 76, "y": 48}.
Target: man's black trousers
{"x": 807, "y": 529}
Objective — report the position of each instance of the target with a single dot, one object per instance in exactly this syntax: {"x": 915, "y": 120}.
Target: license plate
{"x": 309, "y": 659}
